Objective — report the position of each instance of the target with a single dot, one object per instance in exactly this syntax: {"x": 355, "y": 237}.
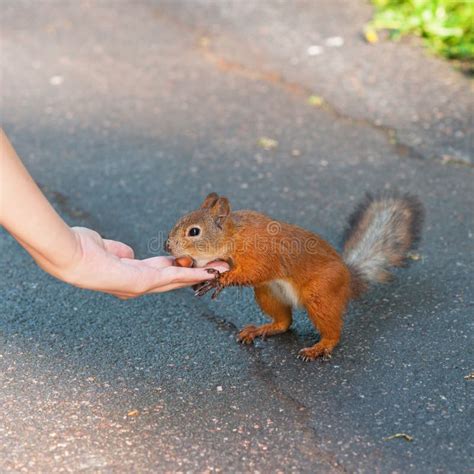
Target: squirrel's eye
{"x": 194, "y": 231}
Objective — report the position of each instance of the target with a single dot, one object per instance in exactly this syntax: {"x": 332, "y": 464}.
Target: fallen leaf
{"x": 404, "y": 436}
{"x": 315, "y": 100}
{"x": 267, "y": 143}
{"x": 371, "y": 35}
{"x": 414, "y": 256}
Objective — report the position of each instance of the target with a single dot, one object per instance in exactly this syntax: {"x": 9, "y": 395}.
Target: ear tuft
{"x": 210, "y": 201}
{"x": 221, "y": 210}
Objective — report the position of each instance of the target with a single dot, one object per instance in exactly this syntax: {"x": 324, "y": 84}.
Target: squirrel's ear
{"x": 210, "y": 200}
{"x": 220, "y": 211}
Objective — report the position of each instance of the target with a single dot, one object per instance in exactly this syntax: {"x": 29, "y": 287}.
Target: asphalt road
{"x": 127, "y": 114}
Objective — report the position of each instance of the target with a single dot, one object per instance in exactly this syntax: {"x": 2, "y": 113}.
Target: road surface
{"x": 127, "y": 114}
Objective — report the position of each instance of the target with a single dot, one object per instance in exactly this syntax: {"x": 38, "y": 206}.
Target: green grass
{"x": 447, "y": 26}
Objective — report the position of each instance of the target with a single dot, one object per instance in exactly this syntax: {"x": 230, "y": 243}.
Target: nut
{"x": 184, "y": 261}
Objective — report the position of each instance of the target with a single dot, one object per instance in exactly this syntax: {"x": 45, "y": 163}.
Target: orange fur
{"x": 321, "y": 279}
{"x": 278, "y": 311}
{"x": 285, "y": 264}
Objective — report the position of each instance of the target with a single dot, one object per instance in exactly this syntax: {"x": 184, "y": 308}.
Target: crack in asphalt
{"x": 221, "y": 323}
{"x": 63, "y": 203}
{"x": 203, "y": 46}
{"x": 80, "y": 216}
{"x": 266, "y": 375}
{"x": 391, "y": 135}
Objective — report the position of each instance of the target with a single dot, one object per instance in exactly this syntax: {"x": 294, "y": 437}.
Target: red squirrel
{"x": 291, "y": 267}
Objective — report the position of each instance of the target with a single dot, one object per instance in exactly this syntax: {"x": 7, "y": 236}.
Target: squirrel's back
{"x": 280, "y": 249}
{"x": 380, "y": 233}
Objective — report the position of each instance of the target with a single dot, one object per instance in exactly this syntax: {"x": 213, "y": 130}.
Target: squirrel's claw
{"x": 311, "y": 353}
{"x": 207, "y": 286}
{"x": 204, "y": 288}
{"x": 217, "y": 291}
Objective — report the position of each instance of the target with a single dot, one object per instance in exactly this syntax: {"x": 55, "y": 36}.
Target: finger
{"x": 219, "y": 266}
{"x": 171, "y": 278}
{"x": 119, "y": 249}
{"x": 139, "y": 277}
{"x": 156, "y": 263}
{"x": 159, "y": 262}
{"x": 190, "y": 276}
{"x": 169, "y": 287}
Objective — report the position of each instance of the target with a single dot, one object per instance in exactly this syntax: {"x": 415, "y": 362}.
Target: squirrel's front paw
{"x": 207, "y": 286}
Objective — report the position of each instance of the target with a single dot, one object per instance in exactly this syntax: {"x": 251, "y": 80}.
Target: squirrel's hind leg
{"x": 327, "y": 316}
{"x": 276, "y": 309}
{"x": 325, "y": 299}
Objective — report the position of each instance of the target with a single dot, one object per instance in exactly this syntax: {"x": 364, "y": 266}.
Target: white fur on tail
{"x": 380, "y": 233}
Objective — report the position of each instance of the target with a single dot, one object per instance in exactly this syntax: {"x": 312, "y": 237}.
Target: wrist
{"x": 62, "y": 257}
{"x": 66, "y": 265}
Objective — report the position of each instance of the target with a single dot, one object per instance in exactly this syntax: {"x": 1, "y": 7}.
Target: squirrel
{"x": 289, "y": 267}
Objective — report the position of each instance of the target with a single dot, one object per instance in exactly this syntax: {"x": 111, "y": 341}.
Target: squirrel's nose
{"x": 166, "y": 246}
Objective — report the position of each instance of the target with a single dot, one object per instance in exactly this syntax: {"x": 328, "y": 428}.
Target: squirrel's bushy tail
{"x": 381, "y": 231}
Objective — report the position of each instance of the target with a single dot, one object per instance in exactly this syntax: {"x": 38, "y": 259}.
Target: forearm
{"x": 28, "y": 216}
{"x": 78, "y": 255}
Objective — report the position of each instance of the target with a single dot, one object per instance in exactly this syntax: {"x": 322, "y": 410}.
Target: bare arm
{"x": 78, "y": 255}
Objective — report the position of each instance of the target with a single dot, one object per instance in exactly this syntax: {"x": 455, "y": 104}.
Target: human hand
{"x": 80, "y": 256}
{"x": 109, "y": 266}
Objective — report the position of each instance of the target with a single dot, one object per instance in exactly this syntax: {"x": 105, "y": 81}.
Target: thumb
{"x": 119, "y": 249}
